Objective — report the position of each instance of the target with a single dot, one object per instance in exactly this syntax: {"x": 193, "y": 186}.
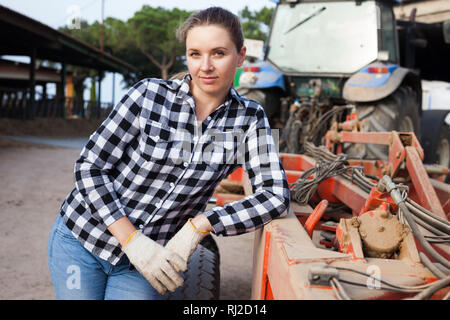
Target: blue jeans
{"x": 77, "y": 274}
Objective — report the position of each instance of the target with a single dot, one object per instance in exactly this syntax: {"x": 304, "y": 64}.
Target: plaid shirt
{"x": 152, "y": 162}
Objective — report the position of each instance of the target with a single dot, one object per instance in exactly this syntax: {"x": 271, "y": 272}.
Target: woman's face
{"x": 212, "y": 59}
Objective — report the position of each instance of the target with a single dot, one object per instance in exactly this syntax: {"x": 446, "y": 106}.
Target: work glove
{"x": 159, "y": 265}
{"x": 185, "y": 241}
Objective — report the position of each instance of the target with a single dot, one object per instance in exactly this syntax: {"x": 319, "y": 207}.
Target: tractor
{"x": 325, "y": 60}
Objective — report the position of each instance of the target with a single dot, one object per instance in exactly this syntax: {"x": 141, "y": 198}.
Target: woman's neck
{"x": 205, "y": 104}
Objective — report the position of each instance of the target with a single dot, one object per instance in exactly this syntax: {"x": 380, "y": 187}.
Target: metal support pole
{"x": 99, "y": 99}
{"x": 29, "y": 111}
{"x": 63, "y": 90}
{"x": 113, "y": 88}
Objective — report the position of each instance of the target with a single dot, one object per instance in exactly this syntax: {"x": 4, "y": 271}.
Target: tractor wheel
{"x": 399, "y": 112}
{"x": 202, "y": 277}
{"x": 293, "y": 137}
{"x": 443, "y": 148}
{"x": 267, "y": 98}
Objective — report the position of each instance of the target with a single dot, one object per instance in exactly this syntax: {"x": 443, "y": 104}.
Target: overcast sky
{"x": 57, "y": 13}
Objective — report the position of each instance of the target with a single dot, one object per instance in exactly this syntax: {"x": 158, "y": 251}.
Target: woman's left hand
{"x": 186, "y": 240}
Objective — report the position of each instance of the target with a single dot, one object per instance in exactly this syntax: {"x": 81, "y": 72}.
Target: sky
{"x": 57, "y": 13}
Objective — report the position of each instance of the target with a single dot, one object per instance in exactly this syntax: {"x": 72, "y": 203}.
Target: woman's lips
{"x": 208, "y": 80}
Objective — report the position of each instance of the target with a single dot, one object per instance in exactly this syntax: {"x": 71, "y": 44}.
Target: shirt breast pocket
{"x": 158, "y": 144}
{"x": 220, "y": 150}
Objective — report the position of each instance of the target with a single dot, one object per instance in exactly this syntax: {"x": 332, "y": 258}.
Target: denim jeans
{"x": 77, "y": 274}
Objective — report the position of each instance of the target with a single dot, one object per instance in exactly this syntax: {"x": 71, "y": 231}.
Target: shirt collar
{"x": 237, "y": 97}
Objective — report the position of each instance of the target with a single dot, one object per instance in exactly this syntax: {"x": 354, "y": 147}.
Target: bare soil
{"x": 34, "y": 180}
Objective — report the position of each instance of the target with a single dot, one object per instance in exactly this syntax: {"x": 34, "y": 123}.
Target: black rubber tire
{"x": 202, "y": 277}
{"x": 399, "y": 112}
{"x": 267, "y": 98}
{"x": 293, "y": 139}
{"x": 443, "y": 148}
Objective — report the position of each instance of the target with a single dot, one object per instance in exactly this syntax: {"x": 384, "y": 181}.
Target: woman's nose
{"x": 206, "y": 64}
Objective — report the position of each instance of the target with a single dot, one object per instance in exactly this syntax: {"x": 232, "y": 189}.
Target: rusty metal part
{"x": 349, "y": 239}
{"x": 381, "y": 233}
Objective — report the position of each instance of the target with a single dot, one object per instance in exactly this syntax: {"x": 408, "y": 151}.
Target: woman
{"x": 143, "y": 180}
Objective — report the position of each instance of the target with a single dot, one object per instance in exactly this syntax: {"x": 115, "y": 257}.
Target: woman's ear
{"x": 242, "y": 56}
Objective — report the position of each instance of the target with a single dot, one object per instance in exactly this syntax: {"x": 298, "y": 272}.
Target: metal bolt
{"x": 384, "y": 215}
{"x": 355, "y": 222}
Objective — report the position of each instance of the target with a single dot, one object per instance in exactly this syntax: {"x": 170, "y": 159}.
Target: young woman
{"x": 143, "y": 180}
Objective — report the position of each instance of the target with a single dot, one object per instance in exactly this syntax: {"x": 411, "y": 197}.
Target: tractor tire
{"x": 399, "y": 112}
{"x": 202, "y": 277}
{"x": 293, "y": 137}
{"x": 443, "y": 148}
{"x": 267, "y": 98}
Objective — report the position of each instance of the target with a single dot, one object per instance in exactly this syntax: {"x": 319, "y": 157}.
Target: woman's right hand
{"x": 159, "y": 265}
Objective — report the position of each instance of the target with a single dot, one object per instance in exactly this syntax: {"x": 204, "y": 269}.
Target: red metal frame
{"x": 315, "y": 216}
{"x": 404, "y": 148}
{"x": 284, "y": 254}
{"x": 266, "y": 292}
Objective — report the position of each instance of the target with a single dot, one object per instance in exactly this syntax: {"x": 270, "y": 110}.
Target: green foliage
{"x": 147, "y": 41}
{"x": 255, "y": 24}
{"x": 89, "y": 34}
{"x": 153, "y": 33}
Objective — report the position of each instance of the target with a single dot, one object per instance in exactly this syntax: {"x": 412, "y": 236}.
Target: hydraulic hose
{"x": 342, "y": 294}
{"x": 427, "y": 263}
{"x": 428, "y": 227}
{"x": 387, "y": 184}
{"x": 427, "y": 219}
{"x": 427, "y": 212}
{"x": 422, "y": 216}
{"x": 415, "y": 229}
{"x": 435, "y": 286}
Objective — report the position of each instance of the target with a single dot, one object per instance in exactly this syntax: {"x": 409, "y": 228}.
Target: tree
{"x": 153, "y": 33}
{"x": 89, "y": 34}
{"x": 255, "y": 25}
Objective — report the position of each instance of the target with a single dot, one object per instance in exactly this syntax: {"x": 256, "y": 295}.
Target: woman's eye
{"x": 194, "y": 54}
{"x": 219, "y": 53}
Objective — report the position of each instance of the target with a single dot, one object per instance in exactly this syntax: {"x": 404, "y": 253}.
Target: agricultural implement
{"x": 356, "y": 229}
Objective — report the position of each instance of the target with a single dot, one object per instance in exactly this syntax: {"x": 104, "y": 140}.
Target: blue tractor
{"x": 326, "y": 59}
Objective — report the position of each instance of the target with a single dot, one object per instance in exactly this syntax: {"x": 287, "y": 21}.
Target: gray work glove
{"x": 186, "y": 240}
{"x": 159, "y": 265}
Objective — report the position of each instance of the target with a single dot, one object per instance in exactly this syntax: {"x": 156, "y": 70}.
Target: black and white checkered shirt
{"x": 152, "y": 162}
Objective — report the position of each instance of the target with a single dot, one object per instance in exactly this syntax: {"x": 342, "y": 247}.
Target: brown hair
{"x": 213, "y": 15}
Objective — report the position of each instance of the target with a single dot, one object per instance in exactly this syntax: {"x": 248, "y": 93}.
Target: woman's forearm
{"x": 121, "y": 229}
{"x": 201, "y": 222}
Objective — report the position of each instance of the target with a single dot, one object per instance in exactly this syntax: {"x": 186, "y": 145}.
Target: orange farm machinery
{"x": 356, "y": 229}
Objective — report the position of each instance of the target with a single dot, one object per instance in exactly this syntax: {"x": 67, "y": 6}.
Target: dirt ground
{"x": 34, "y": 180}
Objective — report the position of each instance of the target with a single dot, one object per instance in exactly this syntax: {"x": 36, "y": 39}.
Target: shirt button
{"x": 159, "y": 204}
{"x": 185, "y": 164}
{"x": 171, "y": 184}
{"x": 209, "y": 118}
{"x": 141, "y": 226}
